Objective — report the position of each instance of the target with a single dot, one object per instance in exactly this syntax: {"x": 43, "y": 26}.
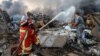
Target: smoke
{"x": 17, "y": 8}
{"x": 54, "y": 6}
{"x": 6, "y": 4}
{"x": 97, "y": 3}
{"x": 91, "y": 5}
{"x": 13, "y": 7}
{"x": 44, "y": 6}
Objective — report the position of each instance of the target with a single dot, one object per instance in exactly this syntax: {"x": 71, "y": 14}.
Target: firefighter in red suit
{"x": 28, "y": 36}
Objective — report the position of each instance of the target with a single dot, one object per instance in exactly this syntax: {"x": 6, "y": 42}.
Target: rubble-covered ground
{"x": 60, "y": 36}
{"x": 10, "y": 39}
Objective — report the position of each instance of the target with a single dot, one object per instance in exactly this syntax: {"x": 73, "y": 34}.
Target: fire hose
{"x": 38, "y": 31}
{"x": 47, "y": 24}
{"x": 19, "y": 44}
{"x": 25, "y": 34}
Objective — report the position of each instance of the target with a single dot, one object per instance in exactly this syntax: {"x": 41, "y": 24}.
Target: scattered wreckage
{"x": 64, "y": 39}
{"x": 57, "y": 40}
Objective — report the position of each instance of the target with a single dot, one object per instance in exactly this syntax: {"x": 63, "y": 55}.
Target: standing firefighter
{"x": 28, "y": 36}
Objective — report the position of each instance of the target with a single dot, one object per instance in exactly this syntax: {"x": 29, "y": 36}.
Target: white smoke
{"x": 40, "y": 5}
{"x": 55, "y": 5}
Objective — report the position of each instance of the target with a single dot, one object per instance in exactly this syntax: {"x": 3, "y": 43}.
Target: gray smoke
{"x": 17, "y": 8}
{"x": 44, "y": 6}
{"x": 6, "y": 4}
{"x": 97, "y": 3}
{"x": 91, "y": 5}
{"x": 13, "y": 7}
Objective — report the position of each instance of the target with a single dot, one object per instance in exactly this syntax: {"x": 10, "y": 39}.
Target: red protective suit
{"x": 30, "y": 38}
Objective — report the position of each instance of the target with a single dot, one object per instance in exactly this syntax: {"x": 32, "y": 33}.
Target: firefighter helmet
{"x": 23, "y": 20}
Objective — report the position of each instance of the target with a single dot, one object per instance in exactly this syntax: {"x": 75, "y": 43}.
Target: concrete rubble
{"x": 53, "y": 37}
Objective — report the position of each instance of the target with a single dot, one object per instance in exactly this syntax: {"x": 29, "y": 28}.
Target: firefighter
{"x": 28, "y": 36}
{"x": 78, "y": 21}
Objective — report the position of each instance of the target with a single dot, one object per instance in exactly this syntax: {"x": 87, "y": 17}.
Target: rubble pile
{"x": 52, "y": 37}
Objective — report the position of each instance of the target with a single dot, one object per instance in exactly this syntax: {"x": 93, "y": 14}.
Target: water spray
{"x": 51, "y": 21}
{"x": 64, "y": 16}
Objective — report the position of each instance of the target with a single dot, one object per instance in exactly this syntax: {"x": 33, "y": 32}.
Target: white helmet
{"x": 23, "y": 20}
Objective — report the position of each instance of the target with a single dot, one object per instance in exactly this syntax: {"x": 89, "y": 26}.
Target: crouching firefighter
{"x": 28, "y": 36}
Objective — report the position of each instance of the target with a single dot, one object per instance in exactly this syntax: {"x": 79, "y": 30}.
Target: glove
{"x": 37, "y": 41}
